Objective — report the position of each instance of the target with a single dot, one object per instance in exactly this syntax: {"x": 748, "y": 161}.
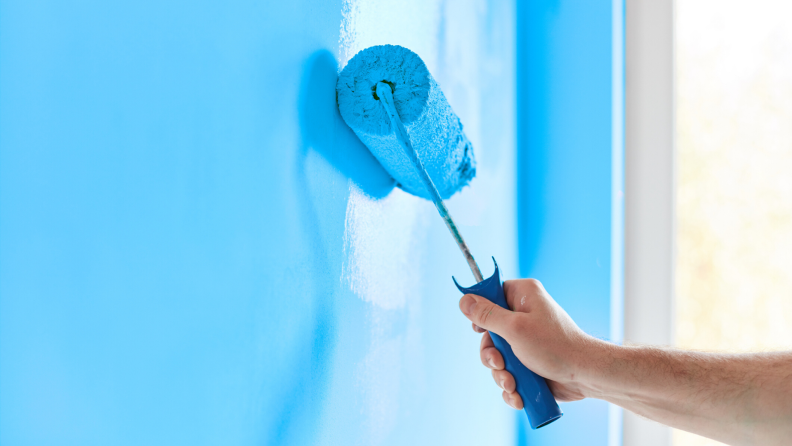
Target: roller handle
{"x": 539, "y": 403}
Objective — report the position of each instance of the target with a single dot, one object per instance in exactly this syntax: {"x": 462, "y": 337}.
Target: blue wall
{"x": 570, "y": 182}
{"x": 194, "y": 250}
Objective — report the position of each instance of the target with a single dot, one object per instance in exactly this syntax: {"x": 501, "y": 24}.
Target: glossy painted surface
{"x": 569, "y": 182}
{"x": 193, "y": 250}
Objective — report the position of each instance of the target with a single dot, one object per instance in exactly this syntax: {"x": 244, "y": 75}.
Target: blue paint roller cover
{"x": 435, "y": 131}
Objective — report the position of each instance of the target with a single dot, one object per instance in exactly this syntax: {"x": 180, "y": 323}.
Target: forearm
{"x": 737, "y": 399}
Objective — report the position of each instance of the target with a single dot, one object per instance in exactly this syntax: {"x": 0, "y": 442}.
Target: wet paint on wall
{"x": 194, "y": 250}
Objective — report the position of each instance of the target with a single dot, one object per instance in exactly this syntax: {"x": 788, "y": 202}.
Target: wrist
{"x": 600, "y": 367}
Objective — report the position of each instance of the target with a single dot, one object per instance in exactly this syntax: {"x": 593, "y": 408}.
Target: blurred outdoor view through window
{"x": 734, "y": 177}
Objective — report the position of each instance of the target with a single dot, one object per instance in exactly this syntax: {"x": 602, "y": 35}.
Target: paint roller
{"x": 394, "y": 105}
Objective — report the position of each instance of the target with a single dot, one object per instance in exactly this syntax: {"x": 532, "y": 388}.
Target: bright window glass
{"x": 734, "y": 177}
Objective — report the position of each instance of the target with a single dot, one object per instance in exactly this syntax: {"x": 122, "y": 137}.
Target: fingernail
{"x": 503, "y": 384}
{"x": 468, "y": 304}
{"x": 511, "y": 402}
{"x": 492, "y": 362}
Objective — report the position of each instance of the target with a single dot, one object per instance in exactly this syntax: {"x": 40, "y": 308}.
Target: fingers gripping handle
{"x": 540, "y": 406}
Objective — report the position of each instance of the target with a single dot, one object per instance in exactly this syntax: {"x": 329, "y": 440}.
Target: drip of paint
{"x": 435, "y": 130}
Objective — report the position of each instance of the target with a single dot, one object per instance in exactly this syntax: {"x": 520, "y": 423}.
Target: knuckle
{"x": 533, "y": 283}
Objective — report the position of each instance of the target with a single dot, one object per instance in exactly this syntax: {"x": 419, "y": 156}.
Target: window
{"x": 734, "y": 177}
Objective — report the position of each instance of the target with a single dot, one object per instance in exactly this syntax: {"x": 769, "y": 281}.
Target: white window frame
{"x": 649, "y": 190}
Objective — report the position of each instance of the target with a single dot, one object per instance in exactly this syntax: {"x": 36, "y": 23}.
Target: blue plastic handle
{"x": 540, "y": 406}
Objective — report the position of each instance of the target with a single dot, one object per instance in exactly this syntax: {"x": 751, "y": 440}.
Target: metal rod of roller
{"x": 386, "y": 99}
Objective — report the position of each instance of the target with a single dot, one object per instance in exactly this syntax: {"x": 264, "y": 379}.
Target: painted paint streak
{"x": 385, "y": 237}
{"x": 381, "y": 239}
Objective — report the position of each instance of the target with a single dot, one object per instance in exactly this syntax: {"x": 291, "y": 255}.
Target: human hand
{"x": 543, "y": 337}
{"x": 733, "y": 398}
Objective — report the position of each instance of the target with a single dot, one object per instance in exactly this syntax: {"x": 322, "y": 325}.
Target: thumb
{"x": 486, "y": 314}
